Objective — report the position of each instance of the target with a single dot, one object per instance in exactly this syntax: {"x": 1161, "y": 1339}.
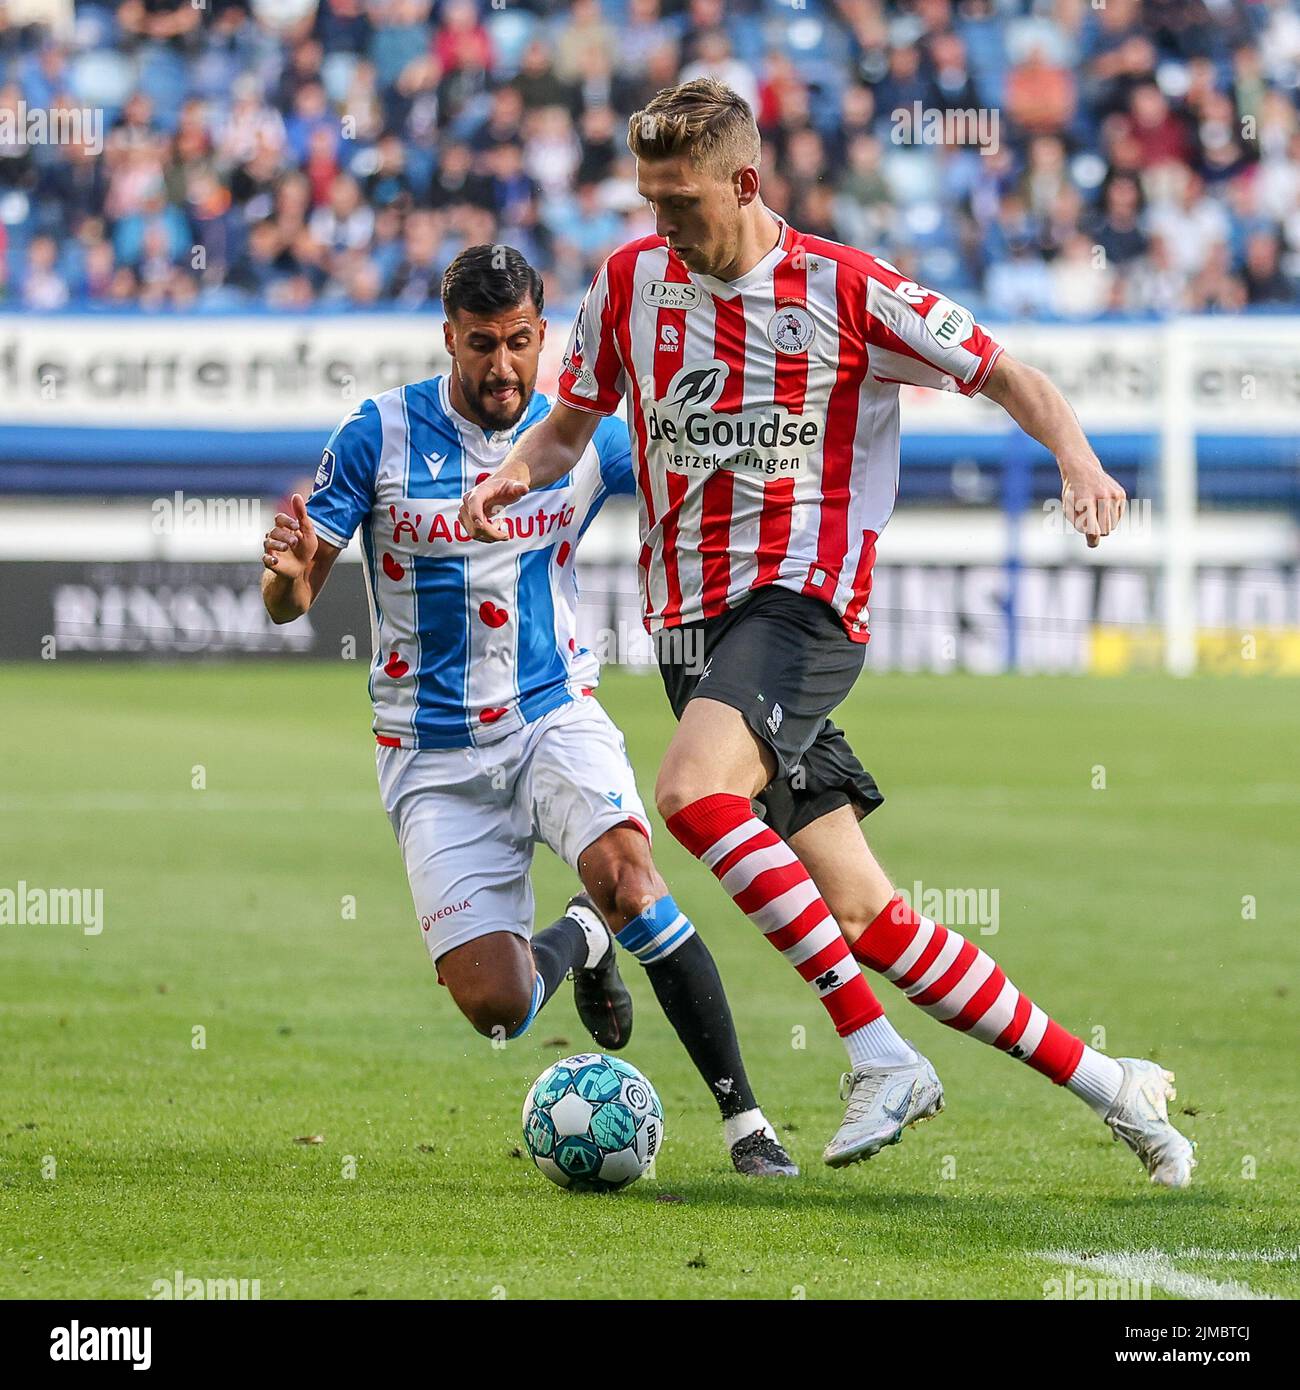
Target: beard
{"x": 494, "y": 414}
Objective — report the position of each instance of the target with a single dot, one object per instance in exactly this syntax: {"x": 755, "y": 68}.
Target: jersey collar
{"x": 755, "y": 275}
{"x": 471, "y": 429}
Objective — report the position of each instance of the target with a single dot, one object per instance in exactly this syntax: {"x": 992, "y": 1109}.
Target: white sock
{"x": 1097, "y": 1080}
{"x": 877, "y": 1044}
{"x": 738, "y": 1127}
{"x": 593, "y": 929}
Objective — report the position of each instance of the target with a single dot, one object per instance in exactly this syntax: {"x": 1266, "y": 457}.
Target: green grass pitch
{"x": 128, "y": 1153}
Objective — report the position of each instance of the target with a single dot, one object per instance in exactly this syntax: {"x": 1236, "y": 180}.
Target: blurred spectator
{"x": 311, "y": 118}
{"x": 342, "y": 26}
{"x": 1214, "y": 288}
{"x": 1040, "y": 95}
{"x": 717, "y": 60}
{"x": 385, "y": 171}
{"x": 340, "y": 152}
{"x": 265, "y": 261}
{"x": 1192, "y": 223}
{"x": 1161, "y": 137}
{"x": 1083, "y": 284}
{"x": 1265, "y": 282}
{"x": 904, "y": 84}
{"x": 1120, "y": 54}
{"x": 345, "y": 223}
{"x": 1118, "y": 231}
{"x": 644, "y": 30}
{"x": 1155, "y": 284}
{"x": 537, "y": 82}
{"x": 457, "y": 182}
{"x": 419, "y": 273}
{"x": 460, "y": 40}
{"x": 585, "y": 29}
{"x": 165, "y": 20}
{"x": 43, "y": 286}
{"x": 1046, "y": 174}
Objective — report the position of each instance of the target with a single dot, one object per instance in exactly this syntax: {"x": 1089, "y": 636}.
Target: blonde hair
{"x": 704, "y": 119}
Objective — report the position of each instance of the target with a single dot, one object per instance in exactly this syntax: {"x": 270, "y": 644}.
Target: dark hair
{"x": 489, "y": 278}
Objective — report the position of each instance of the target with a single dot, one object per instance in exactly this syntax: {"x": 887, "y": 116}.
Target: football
{"x": 593, "y": 1123}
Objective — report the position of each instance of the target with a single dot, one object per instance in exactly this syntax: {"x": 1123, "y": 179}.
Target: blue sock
{"x": 657, "y": 932}
{"x": 539, "y": 994}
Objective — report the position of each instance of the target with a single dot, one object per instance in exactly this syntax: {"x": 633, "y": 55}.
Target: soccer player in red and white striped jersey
{"x": 761, "y": 369}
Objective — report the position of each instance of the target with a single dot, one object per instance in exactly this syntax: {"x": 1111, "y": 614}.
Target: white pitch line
{"x": 1156, "y": 1268}
{"x": 1274, "y": 1256}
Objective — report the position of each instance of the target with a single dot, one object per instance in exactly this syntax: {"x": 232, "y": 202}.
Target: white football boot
{"x": 883, "y": 1101}
{"x": 1140, "y": 1117}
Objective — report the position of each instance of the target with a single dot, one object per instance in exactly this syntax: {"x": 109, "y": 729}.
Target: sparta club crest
{"x": 790, "y": 330}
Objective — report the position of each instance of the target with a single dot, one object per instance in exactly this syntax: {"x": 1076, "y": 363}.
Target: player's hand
{"x": 1093, "y": 502}
{"x": 290, "y": 545}
{"x": 482, "y": 503}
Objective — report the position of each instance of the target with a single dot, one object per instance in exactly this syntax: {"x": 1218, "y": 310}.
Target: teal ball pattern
{"x": 592, "y": 1123}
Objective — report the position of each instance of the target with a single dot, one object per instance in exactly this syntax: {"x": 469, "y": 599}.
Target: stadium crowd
{"x": 1117, "y": 156}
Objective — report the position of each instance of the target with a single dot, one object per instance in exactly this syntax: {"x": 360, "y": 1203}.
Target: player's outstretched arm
{"x": 296, "y": 563}
{"x": 1093, "y": 500}
{"x": 543, "y": 454}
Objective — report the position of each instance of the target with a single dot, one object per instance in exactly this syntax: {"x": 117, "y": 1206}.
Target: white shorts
{"x": 467, "y": 818}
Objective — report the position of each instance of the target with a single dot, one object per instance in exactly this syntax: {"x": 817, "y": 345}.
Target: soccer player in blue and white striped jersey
{"x": 490, "y": 738}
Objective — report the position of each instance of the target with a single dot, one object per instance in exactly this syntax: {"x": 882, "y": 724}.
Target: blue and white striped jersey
{"x": 471, "y": 640}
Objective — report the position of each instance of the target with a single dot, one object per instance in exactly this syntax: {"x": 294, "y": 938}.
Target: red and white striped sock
{"x": 960, "y": 985}
{"x": 772, "y": 888}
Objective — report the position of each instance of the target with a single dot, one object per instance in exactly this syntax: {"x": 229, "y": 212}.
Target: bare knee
{"x": 852, "y": 921}
{"x": 491, "y": 980}
{"x": 668, "y": 800}
{"x": 718, "y": 753}
{"x": 495, "y": 1013}
{"x": 619, "y": 873}
{"x": 635, "y": 890}
{"x": 682, "y": 781}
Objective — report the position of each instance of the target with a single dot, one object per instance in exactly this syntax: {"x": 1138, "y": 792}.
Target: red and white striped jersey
{"x": 763, "y": 413}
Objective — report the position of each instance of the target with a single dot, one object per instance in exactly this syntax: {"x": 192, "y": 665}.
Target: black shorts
{"x": 783, "y": 660}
